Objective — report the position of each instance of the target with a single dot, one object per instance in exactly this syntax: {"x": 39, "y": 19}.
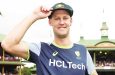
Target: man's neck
{"x": 65, "y": 42}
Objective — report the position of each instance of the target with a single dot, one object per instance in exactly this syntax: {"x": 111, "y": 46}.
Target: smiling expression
{"x": 61, "y": 22}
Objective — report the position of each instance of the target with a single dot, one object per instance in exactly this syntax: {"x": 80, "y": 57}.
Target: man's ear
{"x": 71, "y": 21}
{"x": 50, "y": 22}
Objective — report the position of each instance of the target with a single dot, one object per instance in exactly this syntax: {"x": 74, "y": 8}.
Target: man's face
{"x": 61, "y": 22}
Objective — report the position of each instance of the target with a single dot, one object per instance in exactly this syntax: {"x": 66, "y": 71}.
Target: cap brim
{"x": 68, "y": 10}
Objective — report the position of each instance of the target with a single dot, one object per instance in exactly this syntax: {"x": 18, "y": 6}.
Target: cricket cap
{"x": 61, "y": 6}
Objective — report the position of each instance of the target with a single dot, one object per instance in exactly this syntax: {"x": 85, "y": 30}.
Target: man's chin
{"x": 62, "y": 36}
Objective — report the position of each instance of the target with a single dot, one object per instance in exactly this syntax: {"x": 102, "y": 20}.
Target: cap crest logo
{"x": 60, "y": 6}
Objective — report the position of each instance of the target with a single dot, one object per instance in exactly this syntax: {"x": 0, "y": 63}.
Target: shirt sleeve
{"x": 90, "y": 64}
{"x": 34, "y": 51}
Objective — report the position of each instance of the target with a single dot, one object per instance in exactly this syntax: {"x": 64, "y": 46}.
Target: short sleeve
{"x": 90, "y": 64}
{"x": 34, "y": 50}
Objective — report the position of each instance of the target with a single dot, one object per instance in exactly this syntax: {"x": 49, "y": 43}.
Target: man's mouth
{"x": 62, "y": 27}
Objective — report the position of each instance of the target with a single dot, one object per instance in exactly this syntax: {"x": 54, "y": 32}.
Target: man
{"x": 60, "y": 57}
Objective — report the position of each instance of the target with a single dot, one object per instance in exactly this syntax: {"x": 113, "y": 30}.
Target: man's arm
{"x": 90, "y": 65}
{"x": 94, "y": 72}
{"x": 12, "y": 42}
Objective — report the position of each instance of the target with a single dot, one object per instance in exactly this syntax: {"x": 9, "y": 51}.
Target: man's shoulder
{"x": 45, "y": 43}
{"x": 80, "y": 45}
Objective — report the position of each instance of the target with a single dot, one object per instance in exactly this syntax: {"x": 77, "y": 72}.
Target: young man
{"x": 60, "y": 57}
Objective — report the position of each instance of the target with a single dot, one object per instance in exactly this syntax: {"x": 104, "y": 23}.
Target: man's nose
{"x": 61, "y": 21}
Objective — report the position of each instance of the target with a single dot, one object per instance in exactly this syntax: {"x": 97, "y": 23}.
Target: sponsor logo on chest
{"x": 63, "y": 64}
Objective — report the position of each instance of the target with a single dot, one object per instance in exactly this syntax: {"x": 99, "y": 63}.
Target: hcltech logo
{"x": 63, "y": 64}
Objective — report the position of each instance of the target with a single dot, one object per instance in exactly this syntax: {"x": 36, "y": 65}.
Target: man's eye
{"x": 65, "y": 18}
{"x": 56, "y": 18}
